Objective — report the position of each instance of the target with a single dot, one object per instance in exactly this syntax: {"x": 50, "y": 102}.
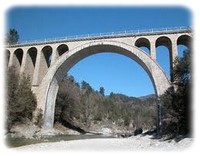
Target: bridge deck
{"x": 106, "y": 36}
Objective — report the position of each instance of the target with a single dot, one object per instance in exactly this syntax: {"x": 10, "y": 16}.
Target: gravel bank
{"x": 130, "y": 144}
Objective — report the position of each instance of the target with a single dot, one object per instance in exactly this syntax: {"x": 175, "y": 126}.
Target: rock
{"x": 106, "y": 131}
{"x": 151, "y": 132}
{"x": 47, "y": 132}
{"x": 27, "y": 130}
{"x": 179, "y": 138}
{"x": 126, "y": 135}
{"x": 138, "y": 131}
{"x": 64, "y": 130}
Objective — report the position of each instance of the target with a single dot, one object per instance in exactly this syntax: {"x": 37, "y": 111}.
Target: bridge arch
{"x": 45, "y": 56}
{"x": 30, "y": 62}
{"x": 61, "y": 49}
{"x": 7, "y": 56}
{"x": 48, "y": 89}
{"x": 17, "y": 59}
{"x": 165, "y": 43}
{"x": 185, "y": 40}
{"x": 143, "y": 43}
{"x": 47, "y": 53}
{"x": 183, "y": 43}
{"x": 32, "y": 53}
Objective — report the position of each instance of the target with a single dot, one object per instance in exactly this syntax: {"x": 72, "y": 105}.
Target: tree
{"x": 81, "y": 105}
{"x": 21, "y": 102}
{"x": 176, "y": 100}
{"x": 26, "y": 98}
{"x": 12, "y": 89}
{"x": 68, "y": 100}
{"x": 12, "y": 37}
{"x": 102, "y": 91}
{"x": 86, "y": 86}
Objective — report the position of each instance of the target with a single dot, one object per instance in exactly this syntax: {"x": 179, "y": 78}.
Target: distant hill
{"x": 147, "y": 97}
{"x": 121, "y": 98}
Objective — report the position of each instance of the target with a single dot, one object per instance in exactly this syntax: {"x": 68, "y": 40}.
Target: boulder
{"x": 138, "y": 131}
{"x": 107, "y": 131}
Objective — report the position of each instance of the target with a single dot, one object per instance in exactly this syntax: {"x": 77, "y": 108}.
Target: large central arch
{"x": 47, "y": 92}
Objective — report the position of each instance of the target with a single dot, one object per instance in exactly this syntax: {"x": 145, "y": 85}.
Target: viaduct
{"x": 47, "y": 62}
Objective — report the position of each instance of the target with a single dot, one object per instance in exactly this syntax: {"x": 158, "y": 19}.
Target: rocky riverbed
{"x": 139, "y": 142}
{"x": 131, "y": 144}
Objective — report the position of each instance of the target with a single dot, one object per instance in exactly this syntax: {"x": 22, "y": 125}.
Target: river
{"x": 21, "y": 141}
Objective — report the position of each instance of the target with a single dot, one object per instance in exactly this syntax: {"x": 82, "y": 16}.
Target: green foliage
{"x": 176, "y": 100}
{"x": 86, "y": 87}
{"x": 12, "y": 37}
{"x": 102, "y": 91}
{"x": 21, "y": 102}
{"x": 182, "y": 69}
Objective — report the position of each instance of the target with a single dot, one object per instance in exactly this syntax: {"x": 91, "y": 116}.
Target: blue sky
{"x": 116, "y": 73}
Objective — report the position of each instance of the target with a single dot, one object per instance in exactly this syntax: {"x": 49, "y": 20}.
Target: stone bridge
{"x": 47, "y": 62}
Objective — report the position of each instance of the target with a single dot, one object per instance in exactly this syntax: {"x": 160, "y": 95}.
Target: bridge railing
{"x": 107, "y": 34}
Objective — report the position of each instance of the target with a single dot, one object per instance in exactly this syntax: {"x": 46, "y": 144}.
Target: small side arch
{"x": 164, "y": 44}
{"x": 30, "y": 62}
{"x": 184, "y": 40}
{"x": 184, "y": 44}
{"x": 47, "y": 55}
{"x": 32, "y": 52}
{"x": 164, "y": 41}
{"x": 143, "y": 42}
{"x": 17, "y": 59}
{"x": 61, "y": 49}
{"x": 7, "y": 56}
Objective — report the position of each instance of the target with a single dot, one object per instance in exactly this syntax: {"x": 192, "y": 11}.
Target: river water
{"x": 22, "y": 141}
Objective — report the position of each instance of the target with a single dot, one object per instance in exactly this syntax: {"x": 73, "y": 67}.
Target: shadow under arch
{"x": 47, "y": 91}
